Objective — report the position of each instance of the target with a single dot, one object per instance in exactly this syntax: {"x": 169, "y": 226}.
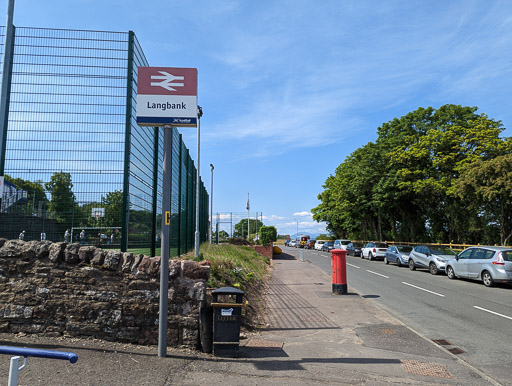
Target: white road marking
{"x": 423, "y": 289}
{"x": 492, "y": 312}
{"x": 379, "y": 274}
{"x": 352, "y": 265}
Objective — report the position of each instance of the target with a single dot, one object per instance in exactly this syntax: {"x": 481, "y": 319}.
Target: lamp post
{"x": 248, "y": 207}
{"x": 211, "y": 202}
{"x": 198, "y": 179}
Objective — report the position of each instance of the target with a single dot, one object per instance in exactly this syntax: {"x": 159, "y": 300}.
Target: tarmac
{"x": 311, "y": 337}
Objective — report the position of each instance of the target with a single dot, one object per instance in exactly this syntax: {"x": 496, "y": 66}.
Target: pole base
{"x": 339, "y": 289}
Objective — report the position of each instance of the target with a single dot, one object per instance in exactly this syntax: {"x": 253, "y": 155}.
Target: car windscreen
{"x": 404, "y": 248}
{"x": 443, "y": 251}
{"x": 357, "y": 245}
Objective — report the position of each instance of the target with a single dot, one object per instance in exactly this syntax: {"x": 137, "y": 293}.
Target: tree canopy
{"x": 431, "y": 175}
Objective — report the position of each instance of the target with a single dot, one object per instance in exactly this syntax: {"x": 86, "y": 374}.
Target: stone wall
{"x": 57, "y": 289}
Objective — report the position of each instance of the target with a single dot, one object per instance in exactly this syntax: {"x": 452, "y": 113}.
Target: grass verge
{"x": 240, "y": 267}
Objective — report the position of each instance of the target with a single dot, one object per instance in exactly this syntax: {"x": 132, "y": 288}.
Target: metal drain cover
{"x": 456, "y": 351}
{"x": 442, "y": 342}
{"x": 426, "y": 368}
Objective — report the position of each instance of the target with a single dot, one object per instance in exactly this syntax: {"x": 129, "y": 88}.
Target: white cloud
{"x": 273, "y": 218}
{"x": 302, "y": 214}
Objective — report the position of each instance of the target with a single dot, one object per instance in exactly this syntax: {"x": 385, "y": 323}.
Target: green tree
{"x": 113, "y": 204}
{"x": 62, "y": 202}
{"x": 267, "y": 234}
{"x": 403, "y": 185}
{"x": 487, "y": 187}
{"x": 223, "y": 235}
{"x": 241, "y": 227}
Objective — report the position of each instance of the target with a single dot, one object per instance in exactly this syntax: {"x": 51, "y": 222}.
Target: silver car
{"x": 433, "y": 257}
{"x": 398, "y": 254}
{"x": 488, "y": 264}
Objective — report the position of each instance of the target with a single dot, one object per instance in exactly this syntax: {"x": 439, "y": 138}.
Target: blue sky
{"x": 290, "y": 88}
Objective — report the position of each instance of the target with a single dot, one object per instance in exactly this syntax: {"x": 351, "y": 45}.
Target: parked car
{"x": 341, "y": 244}
{"x": 286, "y": 242}
{"x": 318, "y": 245}
{"x": 310, "y": 244}
{"x": 374, "y": 250}
{"x": 488, "y": 264}
{"x": 327, "y": 246}
{"x": 432, "y": 257}
{"x": 354, "y": 249}
{"x": 292, "y": 243}
{"x": 398, "y": 254}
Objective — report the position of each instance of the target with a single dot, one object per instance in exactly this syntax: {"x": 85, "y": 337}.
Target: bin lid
{"x": 228, "y": 291}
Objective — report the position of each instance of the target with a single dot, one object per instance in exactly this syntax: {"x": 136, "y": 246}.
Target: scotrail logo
{"x": 167, "y": 81}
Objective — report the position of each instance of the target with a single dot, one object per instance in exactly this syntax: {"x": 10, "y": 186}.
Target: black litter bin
{"x": 227, "y": 318}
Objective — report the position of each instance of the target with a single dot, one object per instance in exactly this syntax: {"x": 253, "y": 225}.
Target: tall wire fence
{"x": 74, "y": 148}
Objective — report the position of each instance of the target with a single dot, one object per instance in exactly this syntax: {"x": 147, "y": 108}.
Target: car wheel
{"x": 370, "y": 256}
{"x": 412, "y": 267}
{"x": 386, "y": 260}
{"x": 433, "y": 269}
{"x": 487, "y": 279}
{"x": 450, "y": 273}
{"x": 398, "y": 262}
{"x": 362, "y": 255}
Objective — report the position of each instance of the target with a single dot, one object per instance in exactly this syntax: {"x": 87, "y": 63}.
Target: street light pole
{"x": 198, "y": 178}
{"x": 248, "y": 216}
{"x": 211, "y": 202}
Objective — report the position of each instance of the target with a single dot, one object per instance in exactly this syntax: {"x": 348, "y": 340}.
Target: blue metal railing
{"x": 31, "y": 352}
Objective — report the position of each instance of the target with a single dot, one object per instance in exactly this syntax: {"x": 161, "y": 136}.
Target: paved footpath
{"x": 313, "y": 337}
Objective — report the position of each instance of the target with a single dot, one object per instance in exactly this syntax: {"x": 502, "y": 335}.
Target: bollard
{"x": 339, "y": 271}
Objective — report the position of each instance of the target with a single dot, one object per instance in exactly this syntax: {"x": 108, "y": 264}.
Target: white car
{"x": 319, "y": 244}
{"x": 373, "y": 250}
{"x": 341, "y": 244}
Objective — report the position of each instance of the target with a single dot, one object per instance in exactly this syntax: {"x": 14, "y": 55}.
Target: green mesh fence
{"x": 75, "y": 155}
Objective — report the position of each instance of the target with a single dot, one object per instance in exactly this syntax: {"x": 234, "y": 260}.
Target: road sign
{"x": 167, "y": 96}
{"x": 167, "y": 217}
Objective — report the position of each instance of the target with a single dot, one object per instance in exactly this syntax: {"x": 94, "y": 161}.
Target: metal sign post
{"x": 168, "y": 97}
{"x": 164, "y": 255}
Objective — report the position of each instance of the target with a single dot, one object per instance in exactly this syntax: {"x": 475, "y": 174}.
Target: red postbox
{"x": 339, "y": 271}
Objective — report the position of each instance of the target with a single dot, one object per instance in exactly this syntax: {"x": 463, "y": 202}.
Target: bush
{"x": 267, "y": 235}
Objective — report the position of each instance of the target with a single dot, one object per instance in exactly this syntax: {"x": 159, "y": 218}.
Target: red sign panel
{"x": 167, "y": 81}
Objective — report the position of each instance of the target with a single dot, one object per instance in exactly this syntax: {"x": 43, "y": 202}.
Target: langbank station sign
{"x": 167, "y": 96}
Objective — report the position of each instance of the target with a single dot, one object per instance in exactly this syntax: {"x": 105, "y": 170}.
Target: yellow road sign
{"x": 168, "y": 218}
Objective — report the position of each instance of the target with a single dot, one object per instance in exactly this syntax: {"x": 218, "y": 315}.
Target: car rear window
{"x": 381, "y": 245}
{"x": 507, "y": 255}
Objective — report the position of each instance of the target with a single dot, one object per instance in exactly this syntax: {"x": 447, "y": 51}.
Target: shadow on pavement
{"x": 284, "y": 256}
